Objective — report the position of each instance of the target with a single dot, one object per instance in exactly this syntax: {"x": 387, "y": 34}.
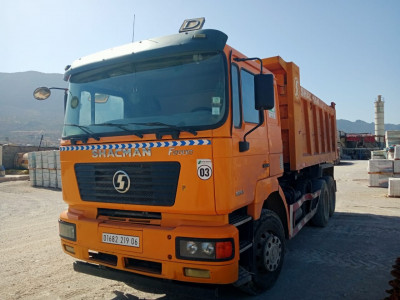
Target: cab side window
{"x": 237, "y": 120}
{"x": 250, "y": 114}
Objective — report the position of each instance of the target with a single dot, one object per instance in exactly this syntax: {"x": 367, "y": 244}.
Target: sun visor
{"x": 197, "y": 40}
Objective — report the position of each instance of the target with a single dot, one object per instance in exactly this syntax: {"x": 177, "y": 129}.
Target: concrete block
{"x": 380, "y": 166}
{"x": 45, "y": 160}
{"x": 31, "y": 160}
{"x": 394, "y": 187}
{"x": 59, "y": 183}
{"x": 51, "y": 159}
{"x": 378, "y": 154}
{"x": 46, "y": 177}
{"x": 53, "y": 178}
{"x": 396, "y": 166}
{"x": 379, "y": 180}
{"x": 397, "y": 152}
{"x": 32, "y": 176}
{"x": 38, "y": 157}
{"x": 58, "y": 167}
{"x": 39, "y": 177}
{"x": 392, "y": 137}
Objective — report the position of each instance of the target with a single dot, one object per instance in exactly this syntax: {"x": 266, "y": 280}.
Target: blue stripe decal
{"x": 138, "y": 145}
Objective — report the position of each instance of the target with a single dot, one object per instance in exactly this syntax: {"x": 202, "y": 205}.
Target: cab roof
{"x": 197, "y": 40}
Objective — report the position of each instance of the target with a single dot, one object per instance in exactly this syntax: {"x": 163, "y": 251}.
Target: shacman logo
{"x": 121, "y": 181}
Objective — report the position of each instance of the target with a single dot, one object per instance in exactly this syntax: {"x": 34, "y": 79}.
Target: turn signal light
{"x": 224, "y": 250}
{"x": 67, "y": 230}
{"x": 69, "y": 249}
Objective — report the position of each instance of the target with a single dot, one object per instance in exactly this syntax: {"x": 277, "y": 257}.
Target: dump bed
{"x": 308, "y": 124}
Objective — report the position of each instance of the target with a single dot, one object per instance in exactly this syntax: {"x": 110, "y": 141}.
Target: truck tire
{"x": 332, "y": 194}
{"x": 321, "y": 218}
{"x": 268, "y": 253}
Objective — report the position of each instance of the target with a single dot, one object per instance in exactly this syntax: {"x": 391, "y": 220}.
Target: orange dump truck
{"x": 183, "y": 159}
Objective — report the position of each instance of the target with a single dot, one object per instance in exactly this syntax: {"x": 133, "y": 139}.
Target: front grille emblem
{"x": 121, "y": 181}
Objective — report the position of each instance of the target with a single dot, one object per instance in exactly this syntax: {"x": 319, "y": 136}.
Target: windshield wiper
{"x": 84, "y": 129}
{"x": 121, "y": 126}
{"x": 176, "y": 129}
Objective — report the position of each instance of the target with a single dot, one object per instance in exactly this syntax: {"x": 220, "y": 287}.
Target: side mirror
{"x": 41, "y": 93}
{"x": 264, "y": 91}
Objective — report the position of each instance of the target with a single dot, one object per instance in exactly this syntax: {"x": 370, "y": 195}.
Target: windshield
{"x": 179, "y": 93}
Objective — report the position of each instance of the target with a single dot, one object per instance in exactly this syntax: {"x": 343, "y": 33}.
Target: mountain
{"x": 361, "y": 126}
{"x": 23, "y": 120}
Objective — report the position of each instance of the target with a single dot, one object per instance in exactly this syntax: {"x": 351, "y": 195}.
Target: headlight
{"x": 67, "y": 230}
{"x": 191, "y": 248}
{"x": 208, "y": 248}
{"x": 204, "y": 249}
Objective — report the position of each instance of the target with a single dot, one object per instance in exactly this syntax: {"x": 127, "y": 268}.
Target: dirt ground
{"x": 351, "y": 258}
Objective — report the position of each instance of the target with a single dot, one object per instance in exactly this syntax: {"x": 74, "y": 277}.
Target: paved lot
{"x": 349, "y": 259}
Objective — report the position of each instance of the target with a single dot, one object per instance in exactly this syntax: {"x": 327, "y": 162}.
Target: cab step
{"x": 244, "y": 277}
{"x": 237, "y": 220}
{"x": 244, "y": 245}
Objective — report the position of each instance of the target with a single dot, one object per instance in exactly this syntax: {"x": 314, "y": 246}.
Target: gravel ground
{"x": 351, "y": 258}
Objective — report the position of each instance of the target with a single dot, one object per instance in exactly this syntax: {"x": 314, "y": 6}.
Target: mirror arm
{"x": 65, "y": 100}
{"x": 65, "y": 95}
{"x": 244, "y": 145}
{"x": 251, "y": 58}
{"x": 57, "y": 88}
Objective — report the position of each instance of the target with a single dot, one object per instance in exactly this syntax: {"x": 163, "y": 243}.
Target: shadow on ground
{"x": 345, "y": 163}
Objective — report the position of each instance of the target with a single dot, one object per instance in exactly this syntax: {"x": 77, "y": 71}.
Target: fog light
{"x": 67, "y": 230}
{"x": 69, "y": 249}
{"x": 198, "y": 273}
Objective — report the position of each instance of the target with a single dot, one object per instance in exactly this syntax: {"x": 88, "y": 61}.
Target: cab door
{"x": 252, "y": 165}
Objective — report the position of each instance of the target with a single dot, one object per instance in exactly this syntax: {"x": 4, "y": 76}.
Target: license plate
{"x": 118, "y": 239}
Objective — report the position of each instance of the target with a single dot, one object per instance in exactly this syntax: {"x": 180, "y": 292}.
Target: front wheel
{"x": 268, "y": 253}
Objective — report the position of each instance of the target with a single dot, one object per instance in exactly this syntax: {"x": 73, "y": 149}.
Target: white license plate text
{"x": 118, "y": 239}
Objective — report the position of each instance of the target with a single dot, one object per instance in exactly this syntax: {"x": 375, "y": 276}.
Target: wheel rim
{"x": 272, "y": 252}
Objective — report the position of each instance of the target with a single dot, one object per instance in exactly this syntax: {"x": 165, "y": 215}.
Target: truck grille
{"x": 151, "y": 183}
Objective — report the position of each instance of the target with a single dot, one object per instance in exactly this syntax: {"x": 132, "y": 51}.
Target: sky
{"x": 348, "y": 51}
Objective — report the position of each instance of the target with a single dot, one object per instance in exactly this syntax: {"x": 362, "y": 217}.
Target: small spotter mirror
{"x": 41, "y": 93}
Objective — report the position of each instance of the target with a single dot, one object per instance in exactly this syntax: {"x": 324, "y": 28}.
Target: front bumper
{"x": 156, "y": 255}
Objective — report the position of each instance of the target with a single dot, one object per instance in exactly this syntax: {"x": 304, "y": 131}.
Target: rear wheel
{"x": 321, "y": 217}
{"x": 268, "y": 253}
{"x": 332, "y": 194}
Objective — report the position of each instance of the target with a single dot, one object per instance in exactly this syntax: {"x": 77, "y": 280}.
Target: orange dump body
{"x": 308, "y": 124}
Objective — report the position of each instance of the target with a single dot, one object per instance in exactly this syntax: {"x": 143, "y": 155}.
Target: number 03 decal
{"x": 204, "y": 168}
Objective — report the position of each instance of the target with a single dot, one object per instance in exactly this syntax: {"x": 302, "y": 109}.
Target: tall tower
{"x": 379, "y": 121}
